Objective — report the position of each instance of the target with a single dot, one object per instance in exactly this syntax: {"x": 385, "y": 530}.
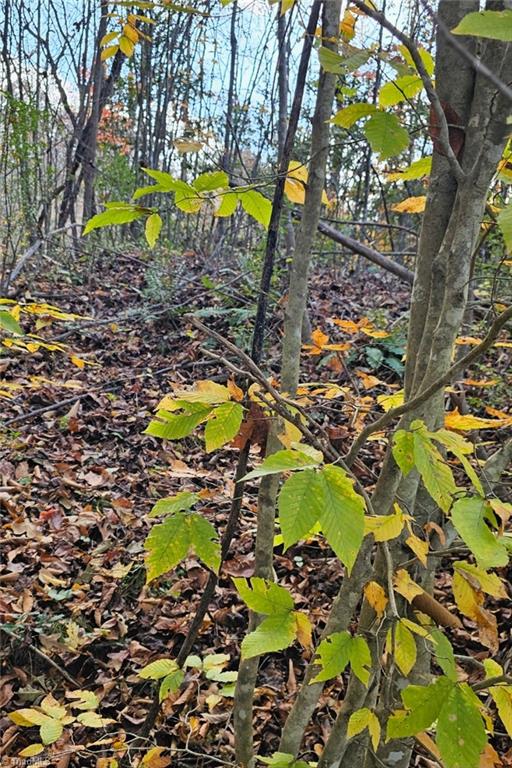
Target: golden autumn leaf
{"x": 411, "y": 205}
{"x": 419, "y": 547}
{"x": 296, "y": 182}
{"x": 384, "y": 527}
{"x": 377, "y": 597}
{"x": 368, "y": 381}
{"x": 467, "y": 422}
{"x": 405, "y": 586}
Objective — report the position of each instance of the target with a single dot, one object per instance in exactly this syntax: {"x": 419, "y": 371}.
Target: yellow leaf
{"x": 290, "y": 434}
{"x": 51, "y": 707}
{"x": 384, "y": 527}
{"x": 295, "y": 184}
{"x": 467, "y": 422}
{"x": 77, "y": 361}
{"x": 126, "y": 45}
{"x": 32, "y": 750}
{"x": 468, "y": 598}
{"x": 303, "y": 629}
{"x": 361, "y": 719}
{"x": 154, "y": 758}
{"x": 411, "y": 205}
{"x": 376, "y": 596}
{"x": 402, "y": 646}
{"x": 187, "y": 145}
{"x": 319, "y": 339}
{"x": 405, "y": 586}
{"x": 368, "y": 381}
{"x": 480, "y": 382}
{"x": 467, "y": 340}
{"x": 374, "y": 333}
{"x": 419, "y": 547}
{"x": 131, "y": 33}
{"x": 387, "y": 402}
{"x": 203, "y": 391}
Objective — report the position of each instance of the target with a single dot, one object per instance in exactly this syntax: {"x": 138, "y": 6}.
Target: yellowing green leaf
{"x": 385, "y": 135}
{"x": 152, "y": 229}
{"x": 347, "y": 116}
{"x": 300, "y": 502}
{"x": 158, "y": 669}
{"x": 32, "y": 750}
{"x": 402, "y": 89}
{"x": 496, "y": 25}
{"x": 264, "y": 596}
{"x": 341, "y": 514}
{"x": 362, "y": 719}
{"x": 404, "y": 647}
{"x": 273, "y": 634}
{"x": 416, "y": 170}
{"x": 469, "y": 519}
{"x": 338, "y": 650}
{"x": 50, "y": 730}
{"x": 460, "y": 733}
{"x": 222, "y": 425}
{"x": 384, "y": 527}
{"x": 256, "y": 205}
{"x": 283, "y": 461}
{"x": 94, "y": 720}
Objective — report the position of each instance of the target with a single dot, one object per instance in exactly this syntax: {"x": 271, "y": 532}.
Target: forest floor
{"x": 78, "y": 477}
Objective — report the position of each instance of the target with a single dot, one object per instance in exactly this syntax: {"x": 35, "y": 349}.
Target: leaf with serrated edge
{"x": 222, "y": 425}
{"x": 158, "y": 669}
{"x": 300, "y": 503}
{"x": 273, "y": 634}
{"x": 460, "y": 733}
{"x": 342, "y": 515}
{"x": 468, "y": 517}
{"x": 404, "y": 649}
{"x": 264, "y": 596}
{"x": 283, "y": 461}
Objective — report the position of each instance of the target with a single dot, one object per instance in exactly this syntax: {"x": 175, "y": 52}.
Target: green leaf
{"x": 435, "y": 472}
{"x": 402, "y": 89}
{"x": 227, "y": 204}
{"x": 273, "y": 634}
{"x": 416, "y": 170}
{"x": 342, "y": 514}
{"x": 403, "y": 450}
{"x": 425, "y": 56}
{"x": 203, "y": 539}
{"x": 494, "y": 24}
{"x": 468, "y": 517}
{"x": 256, "y": 205}
{"x": 158, "y": 669}
{"x": 187, "y": 199}
{"x": 460, "y": 447}
{"x": 208, "y": 182}
{"x": 505, "y": 222}
{"x": 174, "y": 426}
{"x": 460, "y": 732}
{"x": 152, "y": 229}
{"x": 347, "y": 116}
{"x": 264, "y": 596}
{"x": 300, "y": 503}
{"x": 169, "y": 542}
{"x": 282, "y": 461}
{"x": 166, "y": 182}
{"x": 170, "y": 683}
{"x": 50, "y": 730}
{"x": 112, "y": 216}
{"x": 340, "y": 649}
{"x": 386, "y": 135}
{"x": 443, "y": 652}
{"x": 352, "y": 59}
{"x": 424, "y": 703}
{"x": 283, "y": 760}
{"x": 222, "y": 425}
{"x": 8, "y": 323}
{"x": 183, "y": 500}
{"x": 330, "y": 61}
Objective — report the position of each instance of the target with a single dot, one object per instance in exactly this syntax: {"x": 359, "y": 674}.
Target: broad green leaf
{"x": 169, "y": 542}
{"x": 361, "y": 719}
{"x": 203, "y": 539}
{"x": 351, "y": 60}
{"x": 469, "y": 519}
{"x": 226, "y": 204}
{"x": 113, "y": 216}
{"x": 505, "y": 222}
{"x": 283, "y": 760}
{"x": 340, "y": 649}
{"x": 424, "y": 703}
{"x": 443, "y": 652}
{"x": 416, "y": 170}
{"x": 188, "y": 199}
{"x": 460, "y": 733}
{"x": 347, "y": 116}
{"x": 167, "y": 182}
{"x": 174, "y": 426}
{"x": 264, "y": 596}
{"x": 84, "y": 699}
{"x": 208, "y": 182}
{"x": 170, "y": 683}
{"x": 50, "y": 730}
{"x": 300, "y": 503}
{"x": 94, "y": 720}
{"x": 403, "y": 450}
{"x": 256, "y": 205}
{"x": 461, "y": 448}
{"x": 330, "y": 61}
{"x": 404, "y": 649}
{"x": 8, "y": 323}
{"x": 158, "y": 669}
{"x": 152, "y": 229}
{"x": 402, "y": 89}
{"x": 184, "y": 500}
{"x": 223, "y": 425}
{"x": 273, "y": 634}
{"x": 425, "y": 56}
{"x": 435, "y": 472}
{"x": 342, "y": 514}
{"x": 494, "y": 24}
{"x": 385, "y": 135}
{"x": 282, "y": 461}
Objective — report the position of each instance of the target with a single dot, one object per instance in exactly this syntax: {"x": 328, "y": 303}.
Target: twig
{"x": 422, "y": 397}
{"x": 444, "y": 134}
{"x": 42, "y": 656}
{"x": 483, "y": 684}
